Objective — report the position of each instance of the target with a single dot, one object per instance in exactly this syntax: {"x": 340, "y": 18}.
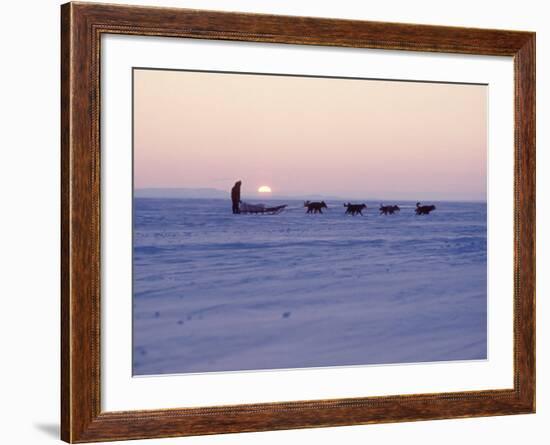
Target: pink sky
{"x": 301, "y": 136}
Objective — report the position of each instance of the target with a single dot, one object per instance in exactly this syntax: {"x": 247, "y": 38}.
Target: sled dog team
{"x": 357, "y": 209}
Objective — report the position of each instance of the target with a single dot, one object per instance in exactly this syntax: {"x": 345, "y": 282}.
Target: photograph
{"x": 285, "y": 221}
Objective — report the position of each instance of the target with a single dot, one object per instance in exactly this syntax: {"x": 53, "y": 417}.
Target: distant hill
{"x": 204, "y": 193}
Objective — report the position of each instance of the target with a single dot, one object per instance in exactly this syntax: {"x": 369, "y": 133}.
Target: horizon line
{"x": 274, "y": 195}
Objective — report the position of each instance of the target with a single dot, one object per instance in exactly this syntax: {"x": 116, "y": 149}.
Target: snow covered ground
{"x": 215, "y": 291}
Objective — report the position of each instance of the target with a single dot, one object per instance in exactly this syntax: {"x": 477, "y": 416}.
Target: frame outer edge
{"x": 81, "y": 416}
{"x": 525, "y": 61}
{"x": 79, "y": 229}
{"x": 66, "y": 47}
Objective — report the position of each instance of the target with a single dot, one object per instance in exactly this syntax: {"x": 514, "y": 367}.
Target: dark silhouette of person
{"x": 236, "y": 197}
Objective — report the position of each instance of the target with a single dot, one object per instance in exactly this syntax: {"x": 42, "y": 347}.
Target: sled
{"x": 255, "y": 209}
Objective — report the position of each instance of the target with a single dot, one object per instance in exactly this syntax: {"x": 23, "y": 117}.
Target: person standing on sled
{"x": 236, "y": 197}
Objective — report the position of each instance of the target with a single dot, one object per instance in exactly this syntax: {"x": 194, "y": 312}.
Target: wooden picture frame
{"x": 82, "y": 25}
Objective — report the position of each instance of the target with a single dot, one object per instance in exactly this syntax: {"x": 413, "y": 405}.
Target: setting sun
{"x": 264, "y": 189}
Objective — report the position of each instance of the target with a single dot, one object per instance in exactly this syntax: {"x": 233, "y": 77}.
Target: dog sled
{"x": 262, "y": 209}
